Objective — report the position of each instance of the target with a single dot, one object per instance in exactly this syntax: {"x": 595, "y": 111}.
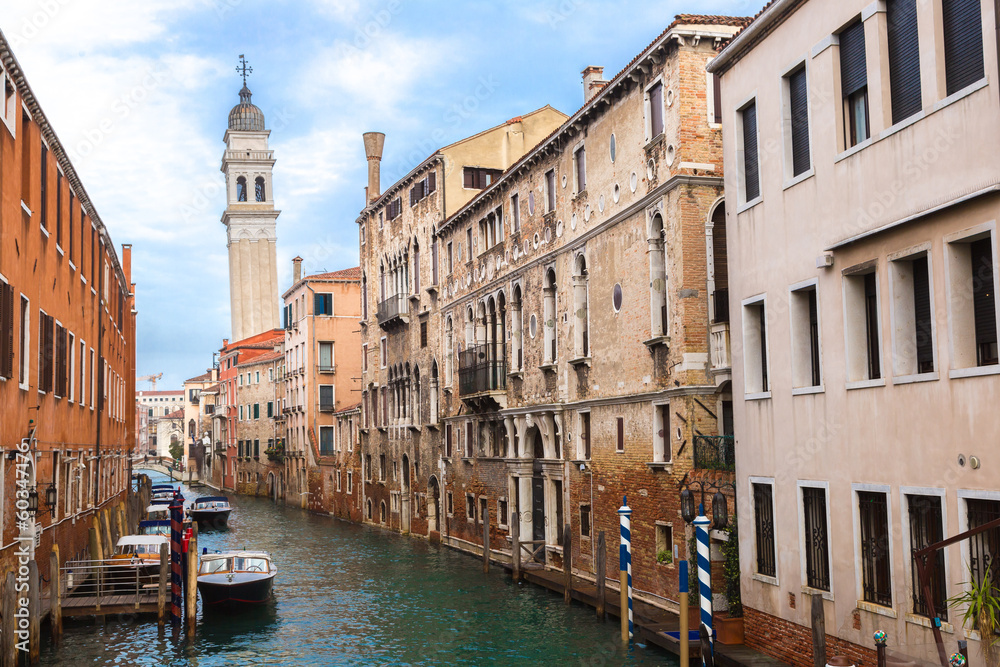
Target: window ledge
{"x": 414, "y": 427}
{"x": 434, "y": 426}
{"x": 665, "y": 466}
{"x": 976, "y": 371}
{"x": 580, "y": 361}
{"x": 62, "y": 253}
{"x": 467, "y": 459}
{"x": 82, "y": 279}
{"x": 414, "y": 297}
{"x": 877, "y": 609}
{"x": 795, "y": 180}
{"x": 431, "y": 289}
{"x": 24, "y": 207}
{"x": 749, "y": 205}
{"x": 446, "y": 459}
{"x": 916, "y": 377}
{"x": 657, "y": 340}
{"x": 658, "y": 139}
{"x": 44, "y": 231}
{"x": 516, "y": 374}
{"x": 809, "y": 590}
{"x": 805, "y": 391}
{"x": 759, "y": 396}
{"x": 550, "y": 367}
{"x": 866, "y": 384}
{"x": 856, "y": 148}
{"x": 764, "y": 579}
{"x": 917, "y": 619}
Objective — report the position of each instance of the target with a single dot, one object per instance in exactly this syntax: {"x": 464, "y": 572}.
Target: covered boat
{"x": 163, "y": 492}
{"x": 155, "y": 527}
{"x": 211, "y": 511}
{"x": 235, "y": 578}
{"x": 137, "y": 559}
{"x": 158, "y": 512}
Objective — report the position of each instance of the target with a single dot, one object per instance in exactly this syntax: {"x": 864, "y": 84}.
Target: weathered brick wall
{"x": 792, "y": 643}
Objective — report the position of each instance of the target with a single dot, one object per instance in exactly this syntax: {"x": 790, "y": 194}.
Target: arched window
{"x": 259, "y": 189}
{"x": 549, "y": 295}
{"x": 581, "y": 330}
{"x": 417, "y": 394}
{"x": 449, "y": 350}
{"x": 241, "y": 189}
{"x": 659, "y": 315}
{"x": 434, "y": 393}
{"x": 364, "y": 296}
{"x": 381, "y": 512}
{"x": 516, "y": 331}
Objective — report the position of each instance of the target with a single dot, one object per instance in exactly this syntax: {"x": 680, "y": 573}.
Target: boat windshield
{"x": 131, "y": 549}
{"x": 209, "y": 505}
{"x": 251, "y": 565}
{"x": 216, "y": 565}
{"x": 156, "y": 530}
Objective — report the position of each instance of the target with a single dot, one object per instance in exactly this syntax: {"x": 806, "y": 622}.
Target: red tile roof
{"x": 204, "y": 377}
{"x": 179, "y": 414}
{"x": 353, "y": 273}
{"x": 267, "y": 356}
{"x": 166, "y": 392}
{"x": 349, "y": 408}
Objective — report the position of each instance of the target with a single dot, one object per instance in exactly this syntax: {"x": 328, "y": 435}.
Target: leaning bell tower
{"x": 250, "y": 218}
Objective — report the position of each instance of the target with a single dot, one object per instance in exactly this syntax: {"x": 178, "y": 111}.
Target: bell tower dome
{"x": 250, "y": 218}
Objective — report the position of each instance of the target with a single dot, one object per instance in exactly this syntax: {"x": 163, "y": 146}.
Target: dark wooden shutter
{"x": 6, "y": 331}
{"x": 871, "y": 322}
{"x": 413, "y": 194}
{"x": 922, "y": 316}
{"x": 799, "y": 102}
{"x": 431, "y": 182}
{"x": 468, "y": 176}
{"x": 963, "y": 43}
{"x": 984, "y": 302}
{"x": 853, "y": 66}
{"x": 717, "y": 97}
{"x": 904, "y": 59}
{"x": 750, "y": 167}
{"x": 621, "y": 434}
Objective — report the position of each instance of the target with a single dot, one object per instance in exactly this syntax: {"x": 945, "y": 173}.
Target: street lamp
{"x": 33, "y": 500}
{"x": 50, "y": 497}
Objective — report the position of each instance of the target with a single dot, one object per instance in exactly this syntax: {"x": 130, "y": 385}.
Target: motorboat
{"x": 155, "y": 527}
{"x": 158, "y": 512}
{"x": 211, "y": 511}
{"x": 136, "y": 560}
{"x": 235, "y": 578}
{"x": 163, "y": 492}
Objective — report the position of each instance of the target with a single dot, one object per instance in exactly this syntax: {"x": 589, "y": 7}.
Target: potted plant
{"x": 276, "y": 454}
{"x": 729, "y": 625}
{"x": 982, "y": 611}
{"x": 664, "y": 557}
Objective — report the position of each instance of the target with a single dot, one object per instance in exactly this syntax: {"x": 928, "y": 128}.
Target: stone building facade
{"x": 260, "y": 425}
{"x": 67, "y": 338}
{"x": 553, "y": 351}
{"x": 861, "y": 184}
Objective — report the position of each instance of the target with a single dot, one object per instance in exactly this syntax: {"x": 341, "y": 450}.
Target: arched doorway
{"x": 405, "y": 500}
{"x": 433, "y": 502}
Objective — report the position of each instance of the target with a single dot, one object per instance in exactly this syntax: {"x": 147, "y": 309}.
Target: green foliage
{"x": 176, "y": 450}
{"x": 731, "y": 550}
{"x": 982, "y": 611}
{"x": 276, "y": 454}
{"x": 664, "y": 557}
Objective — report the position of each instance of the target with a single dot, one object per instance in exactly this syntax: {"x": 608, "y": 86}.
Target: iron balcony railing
{"x": 394, "y": 308}
{"x": 715, "y": 452}
{"x": 480, "y": 371}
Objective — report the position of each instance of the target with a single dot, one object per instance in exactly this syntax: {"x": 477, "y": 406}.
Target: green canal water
{"x": 355, "y": 595}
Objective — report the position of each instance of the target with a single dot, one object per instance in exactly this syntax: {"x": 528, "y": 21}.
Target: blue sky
{"x": 139, "y": 92}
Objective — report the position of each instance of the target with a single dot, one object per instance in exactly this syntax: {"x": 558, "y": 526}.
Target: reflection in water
{"x": 348, "y": 594}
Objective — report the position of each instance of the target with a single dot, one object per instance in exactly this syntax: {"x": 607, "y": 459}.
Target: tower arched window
{"x": 241, "y": 189}
{"x": 549, "y": 305}
{"x": 259, "y": 189}
{"x": 581, "y": 333}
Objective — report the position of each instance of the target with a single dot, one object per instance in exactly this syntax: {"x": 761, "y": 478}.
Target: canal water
{"x": 356, "y": 595}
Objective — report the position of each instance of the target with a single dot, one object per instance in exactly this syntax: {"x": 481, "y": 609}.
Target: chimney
{"x": 593, "y": 82}
{"x": 296, "y": 270}
{"x": 373, "y": 151}
{"x": 127, "y": 261}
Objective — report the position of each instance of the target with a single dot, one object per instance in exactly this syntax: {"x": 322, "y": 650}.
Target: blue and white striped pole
{"x": 625, "y": 567}
{"x": 701, "y": 524}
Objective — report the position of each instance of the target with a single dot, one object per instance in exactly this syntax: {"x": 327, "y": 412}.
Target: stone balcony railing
{"x": 721, "y": 358}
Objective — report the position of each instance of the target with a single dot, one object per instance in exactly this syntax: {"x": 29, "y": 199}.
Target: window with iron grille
{"x": 816, "y": 538}
{"x": 926, "y": 528}
{"x": 876, "y": 567}
{"x": 984, "y": 548}
{"x": 763, "y": 513}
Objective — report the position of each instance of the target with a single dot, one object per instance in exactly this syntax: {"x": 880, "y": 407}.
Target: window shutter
{"x": 984, "y": 302}
{"x": 904, "y": 59}
{"x": 468, "y": 178}
{"x": 317, "y": 304}
{"x": 6, "y": 331}
{"x": 799, "y": 103}
{"x": 431, "y": 182}
{"x": 621, "y": 434}
{"x": 413, "y": 194}
{"x": 656, "y": 110}
{"x": 853, "y": 66}
{"x": 751, "y": 170}
{"x": 963, "y": 43}
{"x": 717, "y": 97}
{"x": 922, "y": 316}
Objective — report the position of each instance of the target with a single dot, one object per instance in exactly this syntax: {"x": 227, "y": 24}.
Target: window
{"x": 256, "y": 449}
{"x": 963, "y": 43}
{"x": 241, "y": 412}
{"x": 583, "y": 429}
{"x": 763, "y": 516}
{"x": 44, "y": 188}
{"x": 927, "y": 528}
{"x": 450, "y": 256}
{"x": 326, "y": 402}
{"x": 984, "y": 548}
{"x": 580, "y": 168}
{"x": 448, "y": 442}
{"x": 816, "y": 538}
{"x": 904, "y": 58}
{"x": 581, "y": 328}
{"x": 241, "y": 188}
{"x": 550, "y": 190}
{"x": 364, "y": 358}
{"x": 46, "y": 351}
{"x": 876, "y": 570}
{"x": 854, "y": 83}
{"x": 806, "y": 362}
{"x": 326, "y": 357}
{"x": 515, "y": 213}
{"x": 913, "y": 329}
{"x": 478, "y": 178}
{"x": 468, "y": 440}
{"x": 972, "y": 301}
{"x": 503, "y": 518}
{"x": 83, "y": 373}
{"x": 350, "y": 482}
{"x": 6, "y": 330}
{"x": 25, "y": 341}
{"x": 323, "y": 304}
{"x": 661, "y": 433}
{"x": 338, "y": 481}
{"x": 585, "y": 520}
{"x": 797, "y": 132}
{"x": 434, "y": 262}
{"x": 381, "y": 467}
{"x": 423, "y": 188}
{"x": 664, "y": 543}
{"x": 383, "y": 352}
{"x": 364, "y": 234}
{"x": 620, "y": 442}
{"x": 450, "y": 504}
{"x": 751, "y": 167}
{"x": 423, "y": 333}
{"x": 270, "y": 409}
{"x": 755, "y": 346}
{"x": 550, "y": 315}
{"x": 862, "y": 328}
{"x": 483, "y": 509}
{"x": 326, "y": 440}
{"x": 71, "y": 367}
{"x": 470, "y": 507}
{"x": 394, "y": 209}
{"x": 716, "y": 99}
{"x": 468, "y": 243}
{"x": 259, "y": 193}
{"x": 654, "y": 110}
{"x": 59, "y": 199}
{"x": 256, "y": 410}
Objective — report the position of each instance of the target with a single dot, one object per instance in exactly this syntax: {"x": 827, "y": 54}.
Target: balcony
{"x": 479, "y": 372}
{"x": 329, "y": 369}
{"x": 327, "y": 407}
{"x": 715, "y": 452}
{"x": 721, "y": 361}
{"x": 394, "y": 310}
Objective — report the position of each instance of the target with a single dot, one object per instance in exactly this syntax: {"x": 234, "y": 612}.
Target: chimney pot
{"x": 593, "y": 82}
{"x": 374, "y": 141}
{"x": 296, "y": 270}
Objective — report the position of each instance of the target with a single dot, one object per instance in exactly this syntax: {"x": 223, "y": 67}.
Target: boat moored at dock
{"x": 235, "y": 578}
{"x": 211, "y": 511}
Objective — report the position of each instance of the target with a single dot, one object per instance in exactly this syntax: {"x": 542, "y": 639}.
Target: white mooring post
{"x": 625, "y": 566}
{"x": 701, "y": 525}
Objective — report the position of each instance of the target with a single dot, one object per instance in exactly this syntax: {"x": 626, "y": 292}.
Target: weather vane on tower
{"x": 244, "y": 68}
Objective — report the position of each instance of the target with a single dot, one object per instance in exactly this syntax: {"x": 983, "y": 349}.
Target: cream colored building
{"x": 193, "y": 416}
{"x": 862, "y": 184}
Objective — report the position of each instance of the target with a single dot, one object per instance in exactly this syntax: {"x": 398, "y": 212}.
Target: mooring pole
{"x": 486, "y": 540}
{"x": 191, "y": 586}
{"x": 683, "y": 587}
{"x": 701, "y": 524}
{"x": 515, "y": 546}
{"x": 55, "y": 594}
{"x": 625, "y": 568}
{"x": 601, "y": 575}
{"x": 567, "y": 564}
{"x": 176, "y": 526}
{"x": 161, "y": 589}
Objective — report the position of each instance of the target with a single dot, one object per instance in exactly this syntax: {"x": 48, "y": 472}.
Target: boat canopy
{"x": 157, "y": 508}
{"x": 218, "y": 499}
